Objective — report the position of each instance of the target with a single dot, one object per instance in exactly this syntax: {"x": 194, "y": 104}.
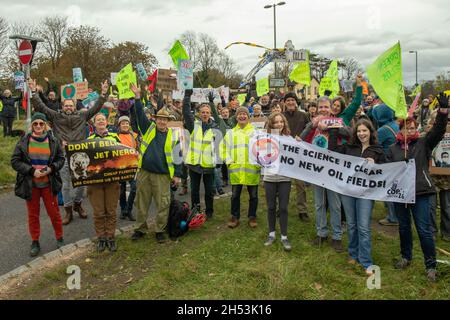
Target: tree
{"x": 86, "y": 48}
{"x": 351, "y": 68}
{"x": 319, "y": 65}
{"x": 53, "y": 30}
{"x": 4, "y": 27}
{"x": 125, "y": 52}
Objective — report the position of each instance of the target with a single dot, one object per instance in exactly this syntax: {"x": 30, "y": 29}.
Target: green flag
{"x": 262, "y": 87}
{"x": 241, "y": 98}
{"x": 416, "y": 91}
{"x": 125, "y": 77}
{"x": 302, "y": 73}
{"x": 178, "y": 53}
{"x": 385, "y": 75}
{"x": 330, "y": 81}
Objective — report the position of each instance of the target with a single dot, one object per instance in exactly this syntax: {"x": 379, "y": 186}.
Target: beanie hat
{"x": 38, "y": 116}
{"x": 242, "y": 109}
{"x": 290, "y": 95}
{"x": 123, "y": 118}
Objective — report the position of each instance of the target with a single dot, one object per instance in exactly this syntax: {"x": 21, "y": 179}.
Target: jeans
{"x": 236, "y": 200}
{"x": 444, "y": 202}
{"x": 358, "y": 213}
{"x": 421, "y": 214}
{"x": 124, "y": 204}
{"x": 321, "y": 197}
{"x": 67, "y": 187}
{"x": 391, "y": 216}
{"x": 280, "y": 190}
{"x": 217, "y": 179}
{"x": 195, "y": 190}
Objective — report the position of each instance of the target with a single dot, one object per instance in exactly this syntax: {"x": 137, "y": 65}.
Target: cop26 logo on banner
{"x": 265, "y": 150}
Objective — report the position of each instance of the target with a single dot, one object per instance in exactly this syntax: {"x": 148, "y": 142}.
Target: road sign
{"x": 276, "y": 83}
{"x": 25, "y": 52}
{"x": 292, "y": 56}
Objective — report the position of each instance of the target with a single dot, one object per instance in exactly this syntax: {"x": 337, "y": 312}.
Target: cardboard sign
{"x": 114, "y": 78}
{"x": 185, "y": 75}
{"x": 200, "y": 95}
{"x": 440, "y": 157}
{"x": 77, "y": 75}
{"x": 141, "y": 71}
{"x": 332, "y": 121}
{"x": 77, "y": 91}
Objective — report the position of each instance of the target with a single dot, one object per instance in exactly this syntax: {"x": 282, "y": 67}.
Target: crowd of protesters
{"x": 217, "y": 154}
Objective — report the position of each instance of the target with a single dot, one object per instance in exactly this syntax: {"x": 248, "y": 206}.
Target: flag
{"x": 416, "y": 91}
{"x": 330, "y": 81}
{"x": 414, "y": 106}
{"x": 153, "y": 79}
{"x": 302, "y": 73}
{"x": 178, "y": 53}
{"x": 385, "y": 75}
{"x": 241, "y": 98}
{"x": 262, "y": 87}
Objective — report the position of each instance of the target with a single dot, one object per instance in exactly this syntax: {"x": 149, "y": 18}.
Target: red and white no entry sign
{"x": 25, "y": 52}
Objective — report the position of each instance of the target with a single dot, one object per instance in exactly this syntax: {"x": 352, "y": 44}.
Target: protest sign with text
{"x": 99, "y": 161}
{"x": 185, "y": 75}
{"x": 347, "y": 175}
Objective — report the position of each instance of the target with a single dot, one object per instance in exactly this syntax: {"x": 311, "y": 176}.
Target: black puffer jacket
{"x": 21, "y": 162}
{"x": 9, "y": 109}
{"x": 420, "y": 150}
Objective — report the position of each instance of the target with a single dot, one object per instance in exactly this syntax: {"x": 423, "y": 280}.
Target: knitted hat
{"x": 290, "y": 95}
{"x": 123, "y": 118}
{"x": 242, "y": 109}
{"x": 38, "y": 116}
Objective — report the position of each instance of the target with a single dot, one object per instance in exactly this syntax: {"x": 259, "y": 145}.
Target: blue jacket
{"x": 385, "y": 119}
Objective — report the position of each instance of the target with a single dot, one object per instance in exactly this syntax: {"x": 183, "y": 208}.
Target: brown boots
{"x": 69, "y": 213}
{"x": 68, "y": 217}
{"x": 78, "y": 208}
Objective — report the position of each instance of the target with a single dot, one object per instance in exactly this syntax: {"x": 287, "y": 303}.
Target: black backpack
{"x": 178, "y": 224}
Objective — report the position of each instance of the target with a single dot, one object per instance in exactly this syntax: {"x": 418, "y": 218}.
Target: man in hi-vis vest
{"x": 234, "y": 151}
{"x": 201, "y": 155}
{"x": 156, "y": 168}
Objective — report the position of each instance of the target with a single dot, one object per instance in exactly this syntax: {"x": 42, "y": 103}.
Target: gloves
{"x": 188, "y": 92}
{"x": 211, "y": 97}
{"x": 443, "y": 100}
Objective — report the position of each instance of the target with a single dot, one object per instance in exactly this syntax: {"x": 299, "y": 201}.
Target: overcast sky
{"x": 361, "y": 29}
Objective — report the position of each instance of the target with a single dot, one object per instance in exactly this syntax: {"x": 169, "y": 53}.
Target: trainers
{"x": 160, "y": 237}
{"x": 252, "y": 222}
{"x": 233, "y": 223}
{"x": 318, "y": 241}
{"x": 432, "y": 275}
{"x": 60, "y": 243}
{"x": 111, "y": 244}
{"x": 209, "y": 216}
{"x": 221, "y": 192}
{"x": 137, "y": 235}
{"x": 402, "y": 263}
{"x": 337, "y": 245}
{"x": 286, "y": 244}
{"x": 270, "y": 240}
{"x": 386, "y": 222}
{"x": 101, "y": 245}
{"x": 35, "y": 248}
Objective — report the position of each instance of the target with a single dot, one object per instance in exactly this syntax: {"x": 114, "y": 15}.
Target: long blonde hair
{"x": 270, "y": 121}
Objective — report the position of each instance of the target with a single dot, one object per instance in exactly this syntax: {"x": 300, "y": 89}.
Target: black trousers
{"x": 7, "y": 126}
{"x": 208, "y": 180}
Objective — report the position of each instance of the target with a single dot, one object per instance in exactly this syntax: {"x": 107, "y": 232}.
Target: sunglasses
{"x": 40, "y": 124}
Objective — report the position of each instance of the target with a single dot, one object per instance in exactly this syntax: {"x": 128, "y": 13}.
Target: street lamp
{"x": 415, "y": 51}
{"x": 275, "y": 25}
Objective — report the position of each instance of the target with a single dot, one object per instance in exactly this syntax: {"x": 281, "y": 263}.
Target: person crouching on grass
{"x": 104, "y": 197}
{"x": 37, "y": 158}
{"x": 277, "y": 186}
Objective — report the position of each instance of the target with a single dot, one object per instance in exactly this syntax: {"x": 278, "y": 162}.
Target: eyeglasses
{"x": 40, "y": 124}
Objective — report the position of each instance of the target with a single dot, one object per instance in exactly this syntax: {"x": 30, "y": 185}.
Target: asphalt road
{"x": 15, "y": 240}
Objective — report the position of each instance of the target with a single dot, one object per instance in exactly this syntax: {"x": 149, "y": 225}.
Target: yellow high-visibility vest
{"x": 168, "y": 146}
{"x": 234, "y": 151}
{"x": 201, "y": 147}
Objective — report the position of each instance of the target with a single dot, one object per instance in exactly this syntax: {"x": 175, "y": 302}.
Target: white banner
{"x": 347, "y": 175}
{"x": 200, "y": 95}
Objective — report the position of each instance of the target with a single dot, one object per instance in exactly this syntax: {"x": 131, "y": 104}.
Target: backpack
{"x": 179, "y": 213}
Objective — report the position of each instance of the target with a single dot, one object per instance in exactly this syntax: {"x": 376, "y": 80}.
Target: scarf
{"x": 401, "y": 139}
